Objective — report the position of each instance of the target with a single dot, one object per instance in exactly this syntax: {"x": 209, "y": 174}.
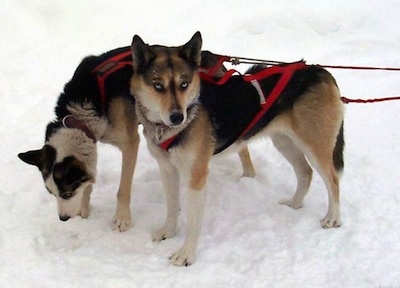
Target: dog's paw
{"x": 84, "y": 213}
{"x": 291, "y": 203}
{"x": 249, "y": 173}
{"x": 122, "y": 220}
{"x": 330, "y": 221}
{"x": 183, "y": 257}
{"x": 163, "y": 233}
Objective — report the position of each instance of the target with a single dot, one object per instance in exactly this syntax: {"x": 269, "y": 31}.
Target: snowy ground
{"x": 248, "y": 240}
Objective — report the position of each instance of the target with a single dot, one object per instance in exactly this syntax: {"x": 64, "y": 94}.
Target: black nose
{"x": 64, "y": 217}
{"x": 176, "y": 118}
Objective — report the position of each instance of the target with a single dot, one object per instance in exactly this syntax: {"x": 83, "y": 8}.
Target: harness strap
{"x": 210, "y": 71}
{"x": 257, "y": 85}
{"x": 286, "y": 72}
{"x": 109, "y": 66}
{"x": 208, "y": 77}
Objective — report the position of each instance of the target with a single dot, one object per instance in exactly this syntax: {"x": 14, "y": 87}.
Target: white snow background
{"x": 248, "y": 239}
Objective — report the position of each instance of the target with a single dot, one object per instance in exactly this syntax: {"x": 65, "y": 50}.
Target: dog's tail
{"x": 338, "y": 151}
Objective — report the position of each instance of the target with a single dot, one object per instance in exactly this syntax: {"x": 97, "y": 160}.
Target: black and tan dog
{"x": 187, "y": 120}
{"x": 96, "y": 105}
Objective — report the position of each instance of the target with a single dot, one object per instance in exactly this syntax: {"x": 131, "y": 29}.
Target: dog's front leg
{"x": 195, "y": 211}
{"x": 85, "y": 203}
{"x": 122, "y": 218}
{"x": 170, "y": 180}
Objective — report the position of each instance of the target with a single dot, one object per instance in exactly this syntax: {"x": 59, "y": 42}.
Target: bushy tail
{"x": 338, "y": 151}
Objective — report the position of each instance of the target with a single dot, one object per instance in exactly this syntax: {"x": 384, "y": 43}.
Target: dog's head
{"x": 166, "y": 80}
{"x": 66, "y": 172}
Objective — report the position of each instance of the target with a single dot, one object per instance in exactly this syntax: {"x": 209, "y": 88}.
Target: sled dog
{"x": 200, "y": 118}
{"x": 96, "y": 105}
{"x": 86, "y": 114}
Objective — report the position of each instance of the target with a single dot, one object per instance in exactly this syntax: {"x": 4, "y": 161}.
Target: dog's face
{"x": 64, "y": 176}
{"x": 166, "y": 80}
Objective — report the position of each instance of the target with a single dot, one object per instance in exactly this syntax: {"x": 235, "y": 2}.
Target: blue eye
{"x": 158, "y": 86}
{"x": 184, "y": 85}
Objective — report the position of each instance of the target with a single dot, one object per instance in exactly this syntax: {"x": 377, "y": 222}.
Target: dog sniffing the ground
{"x": 87, "y": 113}
{"x": 198, "y": 118}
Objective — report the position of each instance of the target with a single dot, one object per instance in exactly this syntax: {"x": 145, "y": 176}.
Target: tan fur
{"x": 120, "y": 130}
{"x": 305, "y": 134}
{"x": 247, "y": 164}
{"x": 123, "y": 134}
{"x": 201, "y": 147}
{"x": 166, "y": 101}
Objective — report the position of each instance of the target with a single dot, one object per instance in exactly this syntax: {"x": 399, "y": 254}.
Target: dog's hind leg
{"x": 170, "y": 180}
{"x": 324, "y": 164}
{"x": 332, "y": 218}
{"x": 331, "y": 179}
{"x": 320, "y": 155}
{"x": 300, "y": 166}
{"x": 247, "y": 164}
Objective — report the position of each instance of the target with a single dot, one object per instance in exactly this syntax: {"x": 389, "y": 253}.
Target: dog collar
{"x": 70, "y": 121}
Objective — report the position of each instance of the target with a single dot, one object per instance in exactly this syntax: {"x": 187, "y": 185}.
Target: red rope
{"x": 360, "y": 67}
{"x": 349, "y": 100}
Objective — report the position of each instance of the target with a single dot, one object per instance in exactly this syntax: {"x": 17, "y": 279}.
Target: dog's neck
{"x": 158, "y": 132}
{"x": 71, "y": 121}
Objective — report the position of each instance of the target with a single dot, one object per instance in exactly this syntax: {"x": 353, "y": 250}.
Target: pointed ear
{"x": 43, "y": 158}
{"x": 33, "y": 157}
{"x": 141, "y": 54}
{"x": 192, "y": 49}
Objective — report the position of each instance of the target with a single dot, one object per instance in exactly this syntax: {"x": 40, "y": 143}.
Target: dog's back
{"x": 237, "y": 101}
{"x": 84, "y": 87}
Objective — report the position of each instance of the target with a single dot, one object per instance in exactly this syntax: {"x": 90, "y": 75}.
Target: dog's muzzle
{"x": 176, "y": 117}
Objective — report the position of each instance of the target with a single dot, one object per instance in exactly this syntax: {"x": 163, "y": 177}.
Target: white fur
{"x": 73, "y": 142}
{"x": 86, "y": 113}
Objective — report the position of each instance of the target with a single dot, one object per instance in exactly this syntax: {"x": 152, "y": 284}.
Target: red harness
{"x": 109, "y": 66}
{"x": 286, "y": 72}
{"x": 119, "y": 61}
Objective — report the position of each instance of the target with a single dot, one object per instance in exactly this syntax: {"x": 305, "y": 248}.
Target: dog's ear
{"x": 141, "y": 54}
{"x": 43, "y": 158}
{"x": 192, "y": 49}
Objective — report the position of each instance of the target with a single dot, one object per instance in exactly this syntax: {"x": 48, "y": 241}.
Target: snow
{"x": 248, "y": 239}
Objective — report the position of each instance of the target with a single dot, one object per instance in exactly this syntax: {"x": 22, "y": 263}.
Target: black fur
{"x": 83, "y": 87}
{"x": 142, "y": 54}
{"x": 338, "y": 151}
{"x": 43, "y": 159}
{"x": 68, "y": 176}
{"x": 237, "y": 101}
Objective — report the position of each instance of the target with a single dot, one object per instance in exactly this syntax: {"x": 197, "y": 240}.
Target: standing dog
{"x": 96, "y": 105}
{"x": 200, "y": 118}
